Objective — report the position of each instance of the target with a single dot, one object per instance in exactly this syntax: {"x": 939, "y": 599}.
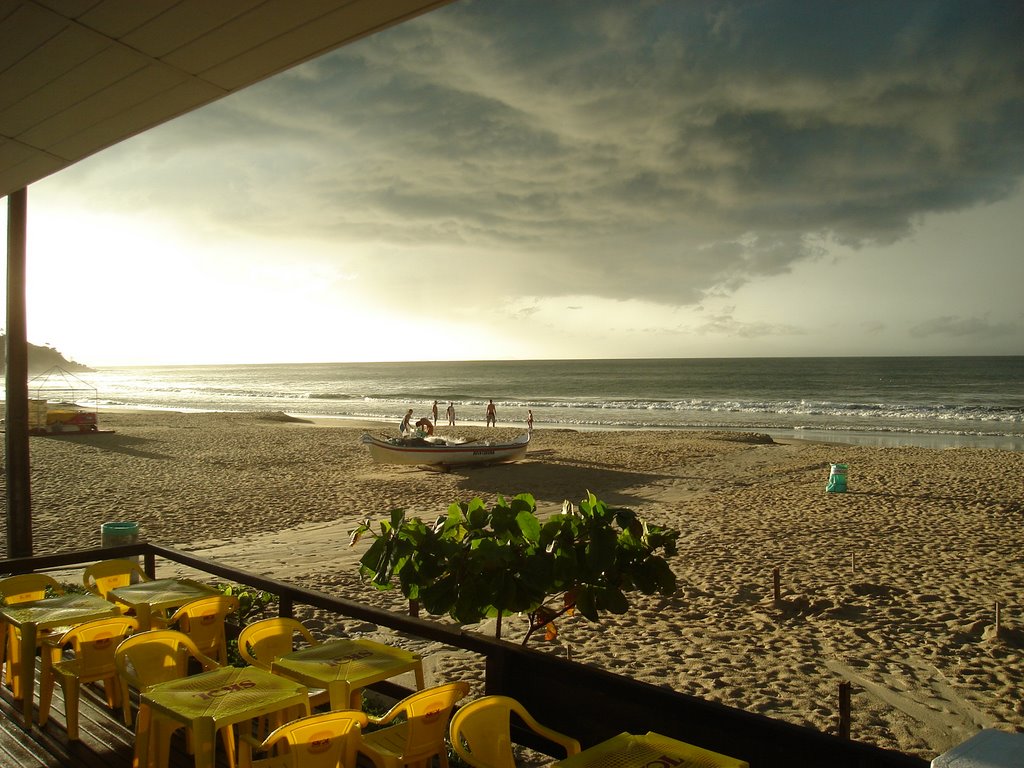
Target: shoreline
{"x": 874, "y": 438}
{"x": 890, "y": 585}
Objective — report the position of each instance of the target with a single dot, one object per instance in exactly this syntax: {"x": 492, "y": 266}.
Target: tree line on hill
{"x": 41, "y": 359}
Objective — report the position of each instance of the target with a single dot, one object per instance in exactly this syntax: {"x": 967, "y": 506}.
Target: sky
{"x": 547, "y": 180}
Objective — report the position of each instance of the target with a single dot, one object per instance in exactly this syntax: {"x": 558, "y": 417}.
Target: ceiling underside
{"x": 77, "y": 76}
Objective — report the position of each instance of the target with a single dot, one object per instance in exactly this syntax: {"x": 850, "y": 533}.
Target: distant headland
{"x": 42, "y": 359}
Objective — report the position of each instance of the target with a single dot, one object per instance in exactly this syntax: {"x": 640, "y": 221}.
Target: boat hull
{"x": 459, "y": 454}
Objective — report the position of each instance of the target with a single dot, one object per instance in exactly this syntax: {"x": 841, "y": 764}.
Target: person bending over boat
{"x": 425, "y": 425}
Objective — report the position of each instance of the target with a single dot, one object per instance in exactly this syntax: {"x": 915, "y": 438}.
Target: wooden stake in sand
{"x": 844, "y": 709}
{"x": 999, "y": 618}
{"x": 777, "y": 585}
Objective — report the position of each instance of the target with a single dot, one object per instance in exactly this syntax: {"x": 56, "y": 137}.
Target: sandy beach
{"x": 891, "y": 585}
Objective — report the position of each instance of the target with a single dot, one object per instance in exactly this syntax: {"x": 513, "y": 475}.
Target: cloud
{"x": 724, "y": 324}
{"x": 656, "y": 150}
{"x": 950, "y": 326}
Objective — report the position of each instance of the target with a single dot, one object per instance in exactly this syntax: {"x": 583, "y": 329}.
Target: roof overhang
{"x": 77, "y": 76}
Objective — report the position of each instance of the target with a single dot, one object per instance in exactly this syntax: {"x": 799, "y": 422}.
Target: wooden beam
{"x": 19, "y": 495}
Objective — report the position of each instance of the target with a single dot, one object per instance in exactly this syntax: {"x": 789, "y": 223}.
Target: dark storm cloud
{"x": 656, "y": 150}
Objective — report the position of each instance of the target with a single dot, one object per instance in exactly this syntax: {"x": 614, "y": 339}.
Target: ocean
{"x": 927, "y": 401}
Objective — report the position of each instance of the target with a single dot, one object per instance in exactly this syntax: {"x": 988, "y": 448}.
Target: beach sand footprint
{"x": 920, "y": 691}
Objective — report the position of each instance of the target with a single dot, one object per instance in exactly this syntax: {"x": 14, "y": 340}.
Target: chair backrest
{"x": 324, "y": 740}
{"x": 99, "y": 578}
{"x": 95, "y": 642}
{"x": 27, "y": 586}
{"x": 263, "y": 641}
{"x": 427, "y": 714}
{"x": 203, "y": 621}
{"x": 157, "y": 656}
{"x": 480, "y": 732}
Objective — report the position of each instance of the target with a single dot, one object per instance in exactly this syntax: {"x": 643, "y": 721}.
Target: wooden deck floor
{"x": 105, "y": 741}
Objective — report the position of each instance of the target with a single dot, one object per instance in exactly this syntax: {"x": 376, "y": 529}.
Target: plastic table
{"x": 36, "y": 615}
{"x": 159, "y": 595}
{"x": 651, "y": 750}
{"x": 213, "y": 700}
{"x": 345, "y": 667}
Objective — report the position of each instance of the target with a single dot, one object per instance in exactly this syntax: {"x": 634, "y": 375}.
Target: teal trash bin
{"x": 119, "y": 535}
{"x": 837, "y": 479}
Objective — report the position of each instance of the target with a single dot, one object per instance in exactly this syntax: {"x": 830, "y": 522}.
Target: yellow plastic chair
{"x": 324, "y": 740}
{"x": 480, "y": 732}
{"x": 153, "y": 657}
{"x": 263, "y": 641}
{"x": 93, "y": 645}
{"x": 421, "y": 735}
{"x": 22, "y": 588}
{"x": 203, "y": 621}
{"x": 99, "y": 578}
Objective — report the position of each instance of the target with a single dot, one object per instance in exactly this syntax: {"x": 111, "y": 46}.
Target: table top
{"x": 652, "y": 750}
{"x": 225, "y": 695}
{"x": 55, "y": 611}
{"x": 159, "y": 591}
{"x": 355, "y": 661}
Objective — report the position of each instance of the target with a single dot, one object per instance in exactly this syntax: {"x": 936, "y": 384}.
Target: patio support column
{"x": 19, "y": 497}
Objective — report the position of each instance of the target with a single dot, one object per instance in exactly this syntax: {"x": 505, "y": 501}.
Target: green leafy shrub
{"x": 253, "y": 605}
{"x": 476, "y": 563}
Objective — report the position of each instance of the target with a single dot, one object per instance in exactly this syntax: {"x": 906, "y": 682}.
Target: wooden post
{"x": 414, "y": 608}
{"x": 777, "y": 585}
{"x": 999, "y": 618}
{"x": 18, "y": 473}
{"x": 844, "y": 709}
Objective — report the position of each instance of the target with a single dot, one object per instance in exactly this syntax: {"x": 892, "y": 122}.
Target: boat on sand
{"x": 440, "y": 452}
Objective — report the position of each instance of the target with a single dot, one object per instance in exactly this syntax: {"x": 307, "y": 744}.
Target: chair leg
{"x": 71, "y": 688}
{"x": 227, "y": 735}
{"x": 143, "y": 734}
{"x": 126, "y": 703}
{"x": 45, "y": 691}
{"x": 111, "y": 691}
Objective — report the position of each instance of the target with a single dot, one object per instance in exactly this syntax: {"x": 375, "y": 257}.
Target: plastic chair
{"x": 263, "y": 641}
{"x": 153, "y": 657}
{"x": 203, "y": 621}
{"x": 419, "y": 737}
{"x": 99, "y": 578}
{"x": 480, "y": 732}
{"x": 93, "y": 645}
{"x": 324, "y": 740}
{"x": 22, "y": 589}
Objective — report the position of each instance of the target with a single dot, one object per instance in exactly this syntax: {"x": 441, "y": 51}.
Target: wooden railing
{"x": 588, "y": 703}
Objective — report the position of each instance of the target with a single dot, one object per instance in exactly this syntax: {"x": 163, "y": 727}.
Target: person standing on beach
{"x": 434, "y": 410}
{"x": 492, "y": 419}
{"x": 451, "y": 414}
{"x": 529, "y": 421}
{"x": 405, "y": 428}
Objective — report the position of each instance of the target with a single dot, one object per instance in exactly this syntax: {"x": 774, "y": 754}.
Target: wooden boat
{"x": 436, "y": 451}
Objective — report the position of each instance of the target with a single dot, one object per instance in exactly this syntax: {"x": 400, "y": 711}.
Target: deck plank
{"x": 104, "y": 740}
